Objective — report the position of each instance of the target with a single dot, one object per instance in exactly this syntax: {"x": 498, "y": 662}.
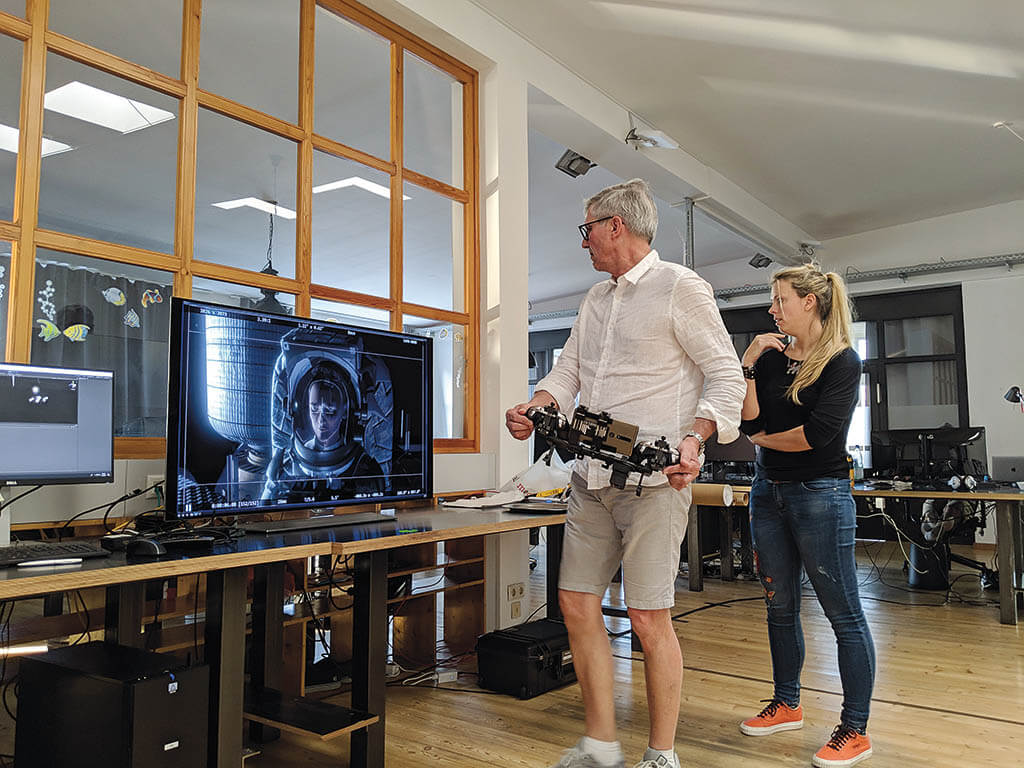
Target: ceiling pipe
{"x": 854, "y": 275}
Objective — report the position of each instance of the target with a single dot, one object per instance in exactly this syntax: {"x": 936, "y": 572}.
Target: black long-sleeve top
{"x": 825, "y": 414}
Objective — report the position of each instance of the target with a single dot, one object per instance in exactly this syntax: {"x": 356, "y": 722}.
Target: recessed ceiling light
{"x": 100, "y": 107}
{"x": 259, "y": 205}
{"x": 357, "y": 181}
{"x": 9, "y": 142}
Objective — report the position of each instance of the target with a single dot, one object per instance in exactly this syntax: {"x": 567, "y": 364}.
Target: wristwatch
{"x": 700, "y": 441}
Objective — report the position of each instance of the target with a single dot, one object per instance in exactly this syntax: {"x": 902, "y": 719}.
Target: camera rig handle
{"x": 601, "y": 437}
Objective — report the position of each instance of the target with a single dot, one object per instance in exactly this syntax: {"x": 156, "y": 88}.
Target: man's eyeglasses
{"x": 585, "y": 227}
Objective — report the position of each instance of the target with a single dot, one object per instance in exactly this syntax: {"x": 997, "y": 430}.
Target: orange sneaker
{"x": 846, "y": 747}
{"x": 776, "y": 717}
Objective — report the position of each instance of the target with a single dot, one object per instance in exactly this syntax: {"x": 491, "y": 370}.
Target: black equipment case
{"x": 526, "y": 660}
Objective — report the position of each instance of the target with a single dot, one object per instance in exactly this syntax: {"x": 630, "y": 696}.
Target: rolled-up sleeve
{"x": 840, "y": 382}
{"x": 701, "y": 333}
{"x": 563, "y": 382}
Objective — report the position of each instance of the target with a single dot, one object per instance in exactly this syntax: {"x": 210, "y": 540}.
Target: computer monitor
{"x": 269, "y": 412}
{"x": 56, "y": 425}
{"x": 935, "y": 453}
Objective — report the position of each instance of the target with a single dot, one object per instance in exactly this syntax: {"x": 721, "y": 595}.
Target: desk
{"x": 227, "y": 570}
{"x": 1009, "y": 506}
{"x": 1009, "y": 535}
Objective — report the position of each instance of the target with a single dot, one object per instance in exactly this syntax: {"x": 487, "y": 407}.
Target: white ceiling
{"x": 842, "y": 116}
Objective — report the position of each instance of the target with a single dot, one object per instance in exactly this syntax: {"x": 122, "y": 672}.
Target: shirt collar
{"x": 639, "y": 269}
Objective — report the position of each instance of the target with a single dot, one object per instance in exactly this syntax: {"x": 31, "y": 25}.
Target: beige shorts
{"x": 608, "y": 526}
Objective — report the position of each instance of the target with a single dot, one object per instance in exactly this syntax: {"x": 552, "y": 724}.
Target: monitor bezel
{"x": 16, "y": 481}
{"x": 175, "y": 415}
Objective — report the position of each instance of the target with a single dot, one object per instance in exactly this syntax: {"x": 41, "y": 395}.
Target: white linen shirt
{"x": 650, "y": 349}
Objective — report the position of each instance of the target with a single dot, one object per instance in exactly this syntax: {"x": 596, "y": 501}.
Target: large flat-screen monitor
{"x": 269, "y": 412}
{"x": 56, "y": 425}
{"x": 936, "y": 453}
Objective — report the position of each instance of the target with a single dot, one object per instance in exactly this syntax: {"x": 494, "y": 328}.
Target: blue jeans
{"x": 812, "y": 524}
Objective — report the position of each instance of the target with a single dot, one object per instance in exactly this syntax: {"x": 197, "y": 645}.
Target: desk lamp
{"x": 1014, "y": 395}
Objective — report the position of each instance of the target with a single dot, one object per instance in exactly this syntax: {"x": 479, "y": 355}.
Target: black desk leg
{"x": 267, "y": 638}
{"x": 694, "y": 563}
{"x": 123, "y": 614}
{"x": 1017, "y": 521}
{"x": 225, "y": 655}
{"x": 555, "y": 536}
{"x": 725, "y": 543}
{"x": 369, "y": 655}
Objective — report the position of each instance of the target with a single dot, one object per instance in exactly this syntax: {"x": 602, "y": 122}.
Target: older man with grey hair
{"x": 649, "y": 347}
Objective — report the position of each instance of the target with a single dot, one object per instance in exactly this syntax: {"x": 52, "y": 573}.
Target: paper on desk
{"x": 494, "y": 500}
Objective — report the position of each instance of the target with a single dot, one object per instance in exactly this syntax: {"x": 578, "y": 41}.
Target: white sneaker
{"x": 659, "y": 762}
{"x": 574, "y": 757}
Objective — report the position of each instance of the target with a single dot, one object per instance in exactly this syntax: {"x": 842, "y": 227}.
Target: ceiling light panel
{"x": 361, "y": 183}
{"x": 259, "y": 205}
{"x": 94, "y": 105}
{"x": 9, "y": 142}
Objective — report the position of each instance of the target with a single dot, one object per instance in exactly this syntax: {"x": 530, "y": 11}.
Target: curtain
{"x": 84, "y": 318}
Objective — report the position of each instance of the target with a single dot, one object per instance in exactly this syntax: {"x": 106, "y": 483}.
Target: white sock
{"x": 668, "y": 754}
{"x": 604, "y": 752}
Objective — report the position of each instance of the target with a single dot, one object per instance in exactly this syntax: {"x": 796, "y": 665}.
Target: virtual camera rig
{"x": 601, "y": 437}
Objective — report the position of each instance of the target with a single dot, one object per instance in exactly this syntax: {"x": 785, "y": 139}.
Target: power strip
{"x": 447, "y": 675}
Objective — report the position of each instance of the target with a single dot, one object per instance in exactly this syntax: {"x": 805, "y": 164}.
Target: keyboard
{"x": 28, "y": 551}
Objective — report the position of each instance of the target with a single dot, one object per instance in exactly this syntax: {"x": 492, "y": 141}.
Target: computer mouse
{"x": 143, "y": 546}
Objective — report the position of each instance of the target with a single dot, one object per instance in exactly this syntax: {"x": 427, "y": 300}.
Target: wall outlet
{"x": 516, "y": 591}
{"x": 516, "y": 609}
{"x": 153, "y": 480}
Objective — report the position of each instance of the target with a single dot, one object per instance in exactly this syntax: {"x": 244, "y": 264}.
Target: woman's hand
{"x": 758, "y": 439}
{"x": 760, "y": 343}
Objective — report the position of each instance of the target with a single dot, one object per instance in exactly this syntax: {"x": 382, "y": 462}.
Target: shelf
{"x": 448, "y": 585}
{"x": 301, "y": 715}
{"x": 441, "y": 564}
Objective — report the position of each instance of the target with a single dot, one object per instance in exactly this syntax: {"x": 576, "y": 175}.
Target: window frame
{"x": 876, "y": 309}
{"x": 25, "y": 235}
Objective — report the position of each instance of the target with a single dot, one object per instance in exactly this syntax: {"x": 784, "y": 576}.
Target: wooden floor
{"x": 949, "y": 691}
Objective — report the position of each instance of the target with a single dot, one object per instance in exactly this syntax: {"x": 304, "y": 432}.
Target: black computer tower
{"x": 100, "y": 705}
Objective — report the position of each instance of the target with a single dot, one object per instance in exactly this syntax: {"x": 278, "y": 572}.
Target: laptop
{"x": 1008, "y": 469}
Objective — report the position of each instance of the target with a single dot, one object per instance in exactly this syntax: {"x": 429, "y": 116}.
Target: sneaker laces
{"x": 840, "y": 735}
{"x": 771, "y": 709}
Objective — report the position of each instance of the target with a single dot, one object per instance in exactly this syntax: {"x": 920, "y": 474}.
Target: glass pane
{"x": 920, "y": 336}
{"x": 115, "y": 179}
{"x": 13, "y": 7}
{"x": 352, "y": 93}
{"x": 250, "y": 54}
{"x": 432, "y": 121}
{"x": 91, "y": 313}
{"x": 349, "y": 314}
{"x": 241, "y": 172}
{"x": 244, "y": 296}
{"x": 449, "y": 373}
{"x": 10, "y": 110}
{"x": 351, "y": 226}
{"x": 922, "y": 395}
{"x": 858, "y": 439}
{"x": 865, "y": 339}
{"x": 432, "y": 238}
{"x": 5, "y": 284}
{"x": 147, "y": 32}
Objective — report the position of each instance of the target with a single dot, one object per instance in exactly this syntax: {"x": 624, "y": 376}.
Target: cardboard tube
{"x": 712, "y": 494}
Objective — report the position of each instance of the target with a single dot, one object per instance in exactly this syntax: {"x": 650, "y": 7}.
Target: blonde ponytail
{"x": 835, "y": 312}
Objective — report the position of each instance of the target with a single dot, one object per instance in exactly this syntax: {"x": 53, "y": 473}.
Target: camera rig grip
{"x": 601, "y": 437}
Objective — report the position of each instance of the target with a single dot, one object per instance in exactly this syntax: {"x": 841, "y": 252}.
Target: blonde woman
{"x": 800, "y": 399}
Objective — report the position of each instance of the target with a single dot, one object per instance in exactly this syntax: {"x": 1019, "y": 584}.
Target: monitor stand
{"x": 318, "y": 521}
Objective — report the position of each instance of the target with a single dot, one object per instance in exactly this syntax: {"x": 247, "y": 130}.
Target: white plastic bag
{"x": 541, "y": 478}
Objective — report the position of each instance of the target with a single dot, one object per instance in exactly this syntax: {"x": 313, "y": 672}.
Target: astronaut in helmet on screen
{"x": 332, "y": 415}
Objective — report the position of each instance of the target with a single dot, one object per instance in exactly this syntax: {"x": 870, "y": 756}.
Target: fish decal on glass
{"x": 131, "y": 319}
{"x": 114, "y": 295}
{"x": 49, "y": 331}
{"x": 152, "y": 296}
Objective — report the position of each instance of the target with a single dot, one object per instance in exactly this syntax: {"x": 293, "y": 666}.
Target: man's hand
{"x": 758, "y": 439}
{"x": 518, "y": 425}
{"x": 685, "y": 472}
